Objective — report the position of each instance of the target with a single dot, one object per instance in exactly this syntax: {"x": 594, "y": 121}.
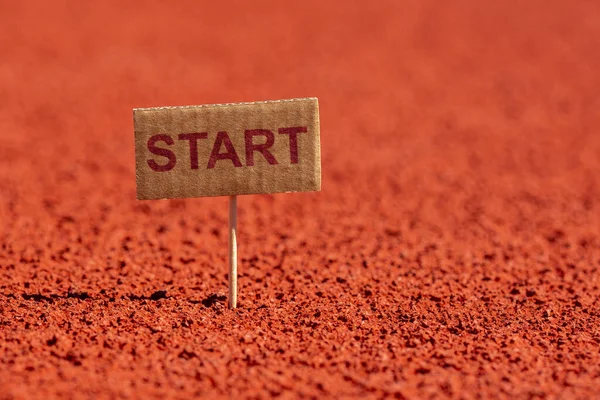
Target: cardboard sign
{"x": 227, "y": 149}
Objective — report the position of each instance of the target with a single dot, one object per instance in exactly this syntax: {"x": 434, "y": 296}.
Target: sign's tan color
{"x": 227, "y": 149}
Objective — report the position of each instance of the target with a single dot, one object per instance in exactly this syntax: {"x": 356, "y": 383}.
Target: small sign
{"x": 227, "y": 149}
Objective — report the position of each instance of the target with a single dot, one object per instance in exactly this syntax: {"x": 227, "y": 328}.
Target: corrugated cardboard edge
{"x": 247, "y": 103}
{"x": 318, "y": 153}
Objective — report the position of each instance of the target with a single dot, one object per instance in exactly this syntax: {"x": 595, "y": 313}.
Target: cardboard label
{"x": 227, "y": 149}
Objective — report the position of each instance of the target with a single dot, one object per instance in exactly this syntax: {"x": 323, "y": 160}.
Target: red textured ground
{"x": 453, "y": 251}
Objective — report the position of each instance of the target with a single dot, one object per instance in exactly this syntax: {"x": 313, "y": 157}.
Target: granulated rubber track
{"x": 453, "y": 251}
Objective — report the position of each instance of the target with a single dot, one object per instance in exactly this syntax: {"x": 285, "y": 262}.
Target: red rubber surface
{"x": 453, "y": 251}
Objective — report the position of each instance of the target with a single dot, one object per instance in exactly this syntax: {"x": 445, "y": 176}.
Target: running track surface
{"x": 453, "y": 251}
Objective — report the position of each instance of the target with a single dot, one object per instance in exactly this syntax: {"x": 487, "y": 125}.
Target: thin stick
{"x": 232, "y": 251}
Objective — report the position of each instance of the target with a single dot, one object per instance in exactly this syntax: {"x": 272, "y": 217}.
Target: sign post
{"x": 228, "y": 150}
{"x": 233, "y": 251}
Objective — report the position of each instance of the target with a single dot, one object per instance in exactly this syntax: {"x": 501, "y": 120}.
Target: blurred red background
{"x": 453, "y": 250}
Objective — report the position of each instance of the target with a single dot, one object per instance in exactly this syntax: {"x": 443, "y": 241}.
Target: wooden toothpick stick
{"x": 232, "y": 251}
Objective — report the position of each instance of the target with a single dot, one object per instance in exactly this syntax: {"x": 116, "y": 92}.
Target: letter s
{"x": 161, "y": 152}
